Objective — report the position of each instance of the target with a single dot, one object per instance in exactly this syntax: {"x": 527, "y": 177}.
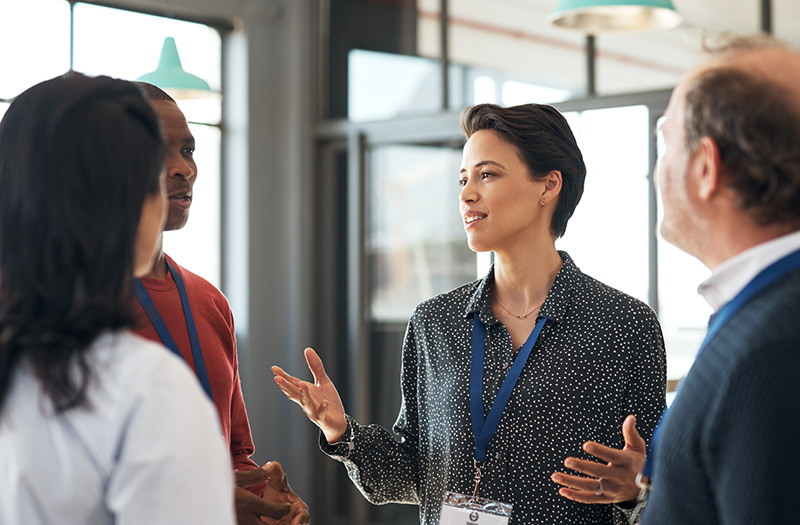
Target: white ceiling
{"x": 515, "y": 35}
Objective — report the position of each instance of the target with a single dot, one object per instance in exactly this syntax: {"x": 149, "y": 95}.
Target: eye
{"x": 462, "y": 182}
{"x": 486, "y": 174}
{"x": 188, "y": 151}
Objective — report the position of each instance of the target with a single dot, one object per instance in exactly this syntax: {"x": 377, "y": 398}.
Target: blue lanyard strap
{"x": 163, "y": 331}
{"x": 767, "y": 276}
{"x": 485, "y": 430}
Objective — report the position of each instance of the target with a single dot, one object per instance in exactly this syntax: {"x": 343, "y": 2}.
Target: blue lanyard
{"x": 484, "y": 430}
{"x": 767, "y": 276}
{"x": 163, "y": 332}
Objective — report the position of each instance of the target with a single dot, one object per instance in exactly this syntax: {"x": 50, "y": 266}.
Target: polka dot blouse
{"x": 599, "y": 357}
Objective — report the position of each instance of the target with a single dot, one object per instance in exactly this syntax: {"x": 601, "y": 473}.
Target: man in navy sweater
{"x": 730, "y": 183}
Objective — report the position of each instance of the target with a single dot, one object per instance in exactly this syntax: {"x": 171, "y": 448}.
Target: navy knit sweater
{"x": 728, "y": 452}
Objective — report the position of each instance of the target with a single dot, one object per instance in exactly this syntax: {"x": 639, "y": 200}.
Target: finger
{"x": 607, "y": 454}
{"x": 633, "y": 440}
{"x": 278, "y": 478}
{"x": 583, "y": 497}
{"x": 248, "y": 478}
{"x": 272, "y": 468}
{"x": 576, "y": 483}
{"x": 289, "y": 378}
{"x": 302, "y": 519}
{"x": 590, "y": 468}
{"x": 274, "y": 510}
{"x": 248, "y": 506}
{"x": 292, "y": 392}
{"x": 315, "y": 365}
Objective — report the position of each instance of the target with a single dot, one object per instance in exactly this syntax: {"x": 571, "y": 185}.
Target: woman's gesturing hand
{"x": 614, "y": 479}
{"x": 319, "y": 400}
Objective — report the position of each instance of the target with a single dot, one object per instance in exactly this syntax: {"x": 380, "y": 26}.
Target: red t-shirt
{"x": 214, "y": 321}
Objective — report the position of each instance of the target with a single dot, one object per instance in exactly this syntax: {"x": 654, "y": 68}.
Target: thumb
{"x": 633, "y": 441}
{"x": 273, "y": 469}
{"x": 248, "y": 478}
{"x": 277, "y": 479}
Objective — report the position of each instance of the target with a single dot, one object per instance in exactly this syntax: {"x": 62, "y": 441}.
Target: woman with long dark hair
{"x": 96, "y": 425}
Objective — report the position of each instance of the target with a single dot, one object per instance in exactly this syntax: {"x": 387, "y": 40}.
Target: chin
{"x": 477, "y": 247}
{"x": 176, "y": 224}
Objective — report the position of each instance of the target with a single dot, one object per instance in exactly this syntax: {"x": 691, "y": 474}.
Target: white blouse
{"x": 147, "y": 449}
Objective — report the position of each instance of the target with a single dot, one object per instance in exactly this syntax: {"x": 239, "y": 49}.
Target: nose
{"x": 468, "y": 191}
{"x": 177, "y": 166}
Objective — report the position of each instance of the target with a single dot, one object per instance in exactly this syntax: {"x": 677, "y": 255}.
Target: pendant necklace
{"x": 520, "y": 317}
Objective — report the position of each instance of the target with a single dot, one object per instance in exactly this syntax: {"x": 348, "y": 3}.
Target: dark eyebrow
{"x": 484, "y": 163}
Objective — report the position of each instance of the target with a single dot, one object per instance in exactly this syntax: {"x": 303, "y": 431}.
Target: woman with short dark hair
{"x": 96, "y": 424}
{"x": 507, "y": 376}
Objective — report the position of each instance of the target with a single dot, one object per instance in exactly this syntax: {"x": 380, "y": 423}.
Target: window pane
{"x": 383, "y": 85}
{"x": 608, "y": 236}
{"x": 682, "y": 311}
{"x": 416, "y": 246}
{"x": 197, "y": 245}
{"x": 785, "y": 14}
{"x": 127, "y": 45}
{"x": 34, "y": 43}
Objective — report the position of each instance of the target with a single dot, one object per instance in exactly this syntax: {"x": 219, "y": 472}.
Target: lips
{"x": 471, "y": 218}
{"x": 181, "y": 199}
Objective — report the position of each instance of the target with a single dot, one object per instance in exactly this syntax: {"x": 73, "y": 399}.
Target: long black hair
{"x": 78, "y": 156}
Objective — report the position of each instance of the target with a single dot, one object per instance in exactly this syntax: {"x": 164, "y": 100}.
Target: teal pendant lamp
{"x": 170, "y": 76}
{"x": 601, "y": 16}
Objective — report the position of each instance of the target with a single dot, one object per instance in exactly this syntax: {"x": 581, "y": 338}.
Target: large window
{"x": 608, "y": 234}
{"x": 126, "y": 45}
{"x": 682, "y": 311}
{"x": 31, "y": 52}
{"x": 416, "y": 243}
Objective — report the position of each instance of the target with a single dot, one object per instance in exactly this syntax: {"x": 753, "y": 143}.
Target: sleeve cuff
{"x": 345, "y": 446}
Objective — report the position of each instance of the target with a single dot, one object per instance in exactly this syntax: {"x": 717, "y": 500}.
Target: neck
{"x": 739, "y": 237}
{"x": 159, "y": 268}
{"x": 523, "y": 282}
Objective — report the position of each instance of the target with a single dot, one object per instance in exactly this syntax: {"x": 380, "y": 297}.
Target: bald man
{"x": 730, "y": 184}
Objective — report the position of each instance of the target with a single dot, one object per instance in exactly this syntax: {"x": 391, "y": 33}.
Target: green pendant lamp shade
{"x": 597, "y": 16}
{"x": 170, "y": 76}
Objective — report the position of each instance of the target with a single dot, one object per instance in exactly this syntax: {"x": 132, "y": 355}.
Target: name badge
{"x": 460, "y": 509}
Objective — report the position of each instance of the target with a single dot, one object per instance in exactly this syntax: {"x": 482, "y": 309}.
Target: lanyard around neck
{"x": 767, "y": 276}
{"x": 484, "y": 430}
{"x": 163, "y": 331}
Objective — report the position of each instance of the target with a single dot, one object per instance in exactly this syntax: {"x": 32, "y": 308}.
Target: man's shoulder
{"x": 765, "y": 326}
{"x": 775, "y": 311}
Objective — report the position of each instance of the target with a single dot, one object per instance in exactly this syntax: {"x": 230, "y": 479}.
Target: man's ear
{"x": 707, "y": 165}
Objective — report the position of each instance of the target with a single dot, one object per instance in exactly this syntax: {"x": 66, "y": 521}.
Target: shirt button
{"x": 499, "y": 456}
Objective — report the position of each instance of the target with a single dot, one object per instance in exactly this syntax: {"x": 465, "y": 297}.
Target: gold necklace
{"x": 520, "y": 317}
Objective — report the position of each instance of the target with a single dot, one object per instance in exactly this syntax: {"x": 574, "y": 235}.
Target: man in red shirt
{"x": 192, "y": 317}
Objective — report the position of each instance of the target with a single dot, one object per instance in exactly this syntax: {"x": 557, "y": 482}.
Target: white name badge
{"x": 459, "y": 509}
